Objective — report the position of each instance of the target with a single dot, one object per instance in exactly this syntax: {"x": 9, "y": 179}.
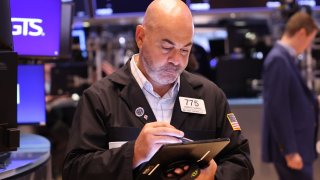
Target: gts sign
{"x": 27, "y": 27}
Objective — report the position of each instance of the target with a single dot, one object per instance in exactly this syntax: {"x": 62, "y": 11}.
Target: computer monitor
{"x": 69, "y": 78}
{"x": 224, "y": 4}
{"x": 217, "y": 47}
{"x": 79, "y": 39}
{"x": 236, "y": 77}
{"x": 31, "y": 95}
{"x": 10, "y": 135}
{"x": 245, "y": 33}
{"x": 277, "y": 3}
{"x": 36, "y": 27}
{"x": 212, "y": 39}
{"x": 311, "y": 3}
{"x": 66, "y": 27}
{"x": 108, "y": 7}
{"x": 9, "y": 140}
{"x": 5, "y": 30}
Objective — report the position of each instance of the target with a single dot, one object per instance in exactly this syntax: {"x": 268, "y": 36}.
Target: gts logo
{"x": 27, "y": 27}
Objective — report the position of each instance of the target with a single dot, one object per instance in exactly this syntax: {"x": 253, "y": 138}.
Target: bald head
{"x": 168, "y": 12}
{"x": 164, "y": 41}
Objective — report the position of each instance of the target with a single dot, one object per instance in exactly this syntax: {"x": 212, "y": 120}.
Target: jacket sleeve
{"x": 234, "y": 161}
{"x": 88, "y": 156}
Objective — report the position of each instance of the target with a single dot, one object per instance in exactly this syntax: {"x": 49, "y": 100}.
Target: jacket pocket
{"x": 122, "y": 134}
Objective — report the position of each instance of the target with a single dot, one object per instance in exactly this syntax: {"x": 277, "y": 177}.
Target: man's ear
{"x": 302, "y": 32}
{"x": 139, "y": 35}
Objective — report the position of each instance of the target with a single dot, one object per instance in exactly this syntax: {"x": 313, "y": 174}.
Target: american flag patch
{"x": 233, "y": 122}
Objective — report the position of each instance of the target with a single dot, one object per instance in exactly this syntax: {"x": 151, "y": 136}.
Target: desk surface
{"x": 34, "y": 150}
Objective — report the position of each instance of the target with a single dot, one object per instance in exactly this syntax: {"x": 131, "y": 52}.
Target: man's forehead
{"x": 174, "y": 43}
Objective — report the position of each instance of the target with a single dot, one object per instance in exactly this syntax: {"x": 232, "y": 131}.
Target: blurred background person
{"x": 290, "y": 117}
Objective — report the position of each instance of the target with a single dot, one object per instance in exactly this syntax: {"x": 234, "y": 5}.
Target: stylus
{"x": 184, "y": 139}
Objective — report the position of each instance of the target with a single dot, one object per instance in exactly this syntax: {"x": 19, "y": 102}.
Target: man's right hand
{"x": 151, "y": 138}
{"x": 294, "y": 161}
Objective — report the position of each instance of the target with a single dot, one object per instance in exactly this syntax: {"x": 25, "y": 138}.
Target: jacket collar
{"x": 131, "y": 93}
{"x": 291, "y": 61}
{"x": 187, "y": 89}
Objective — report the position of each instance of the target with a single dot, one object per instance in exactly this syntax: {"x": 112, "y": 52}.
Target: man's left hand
{"x": 208, "y": 172}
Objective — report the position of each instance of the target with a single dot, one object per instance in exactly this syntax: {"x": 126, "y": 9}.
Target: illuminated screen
{"x": 31, "y": 94}
{"x": 107, "y": 7}
{"x": 79, "y": 37}
{"x": 238, "y": 4}
{"x": 311, "y": 3}
{"x": 36, "y": 27}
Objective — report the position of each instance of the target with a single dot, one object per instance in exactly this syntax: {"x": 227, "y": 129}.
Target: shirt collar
{"x": 145, "y": 84}
{"x": 289, "y": 48}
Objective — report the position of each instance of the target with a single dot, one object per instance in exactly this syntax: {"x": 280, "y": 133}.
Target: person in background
{"x": 290, "y": 119}
{"x": 140, "y": 105}
{"x": 203, "y": 61}
{"x": 193, "y": 64}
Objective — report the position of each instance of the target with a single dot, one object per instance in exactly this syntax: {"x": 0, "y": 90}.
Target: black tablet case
{"x": 200, "y": 152}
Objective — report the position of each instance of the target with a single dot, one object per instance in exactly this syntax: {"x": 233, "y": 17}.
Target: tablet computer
{"x": 199, "y": 152}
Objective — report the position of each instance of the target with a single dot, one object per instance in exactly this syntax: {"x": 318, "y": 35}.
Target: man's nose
{"x": 175, "y": 57}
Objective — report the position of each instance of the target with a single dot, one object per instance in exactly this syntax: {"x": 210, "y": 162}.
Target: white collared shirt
{"x": 162, "y": 107}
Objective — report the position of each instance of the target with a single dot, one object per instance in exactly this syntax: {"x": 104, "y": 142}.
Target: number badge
{"x": 192, "y": 105}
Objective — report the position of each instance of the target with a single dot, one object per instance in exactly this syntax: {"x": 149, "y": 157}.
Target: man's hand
{"x": 294, "y": 161}
{"x": 151, "y": 138}
{"x": 206, "y": 173}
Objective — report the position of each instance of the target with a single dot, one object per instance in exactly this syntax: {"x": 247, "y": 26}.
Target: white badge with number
{"x": 192, "y": 105}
